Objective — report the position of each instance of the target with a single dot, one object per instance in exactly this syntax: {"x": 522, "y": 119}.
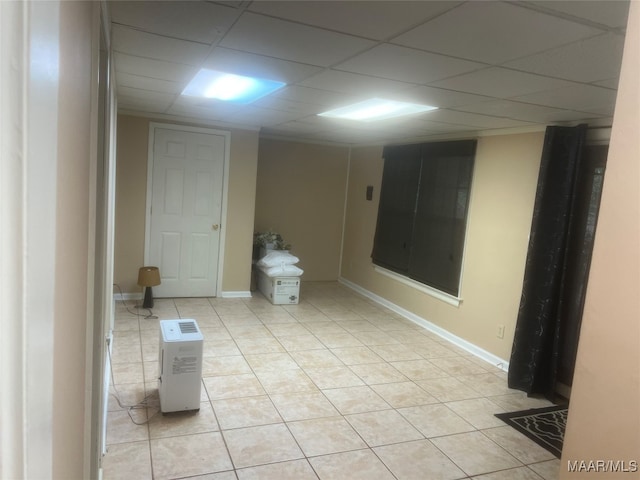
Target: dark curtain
{"x": 534, "y": 357}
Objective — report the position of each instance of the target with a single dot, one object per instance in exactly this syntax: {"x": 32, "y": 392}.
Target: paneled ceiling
{"x": 488, "y": 65}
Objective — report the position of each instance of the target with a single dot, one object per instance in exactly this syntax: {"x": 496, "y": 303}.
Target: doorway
{"x": 580, "y": 247}
{"x": 186, "y": 204}
{"x": 558, "y": 259}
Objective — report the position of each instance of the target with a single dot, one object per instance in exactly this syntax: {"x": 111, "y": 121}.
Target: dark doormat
{"x": 545, "y": 426}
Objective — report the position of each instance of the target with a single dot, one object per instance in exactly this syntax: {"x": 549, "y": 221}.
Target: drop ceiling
{"x": 489, "y": 66}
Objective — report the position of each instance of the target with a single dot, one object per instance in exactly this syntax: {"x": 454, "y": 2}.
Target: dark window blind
{"x": 423, "y": 211}
{"x": 396, "y": 211}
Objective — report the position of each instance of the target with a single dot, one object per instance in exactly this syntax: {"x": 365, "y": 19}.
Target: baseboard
{"x": 138, "y": 296}
{"x": 127, "y": 296}
{"x": 432, "y": 327}
{"x": 238, "y": 294}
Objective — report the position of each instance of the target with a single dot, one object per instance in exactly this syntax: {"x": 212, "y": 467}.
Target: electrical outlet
{"x": 500, "y": 333}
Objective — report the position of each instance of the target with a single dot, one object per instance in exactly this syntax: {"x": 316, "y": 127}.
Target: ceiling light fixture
{"x": 376, "y": 109}
{"x": 229, "y": 87}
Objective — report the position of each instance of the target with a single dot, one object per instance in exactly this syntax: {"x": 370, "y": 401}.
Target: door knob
{"x": 215, "y": 226}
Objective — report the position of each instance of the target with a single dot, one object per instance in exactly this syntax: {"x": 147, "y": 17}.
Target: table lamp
{"x": 148, "y": 277}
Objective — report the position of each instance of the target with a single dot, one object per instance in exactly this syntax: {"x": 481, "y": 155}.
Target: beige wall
{"x": 604, "y": 414}
{"x": 131, "y": 194}
{"x": 501, "y": 207}
{"x": 300, "y": 194}
{"x": 240, "y": 211}
{"x": 131, "y": 190}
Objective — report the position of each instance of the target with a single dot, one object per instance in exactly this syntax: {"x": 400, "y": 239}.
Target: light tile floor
{"x": 336, "y": 387}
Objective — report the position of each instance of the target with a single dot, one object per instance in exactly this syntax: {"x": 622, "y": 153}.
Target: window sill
{"x": 433, "y": 292}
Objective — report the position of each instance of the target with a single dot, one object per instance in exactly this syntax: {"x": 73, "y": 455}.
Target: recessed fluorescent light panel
{"x": 376, "y": 109}
{"x": 229, "y": 87}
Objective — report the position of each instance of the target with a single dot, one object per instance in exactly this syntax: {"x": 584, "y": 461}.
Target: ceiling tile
{"x": 522, "y": 111}
{"x": 219, "y": 113}
{"x": 147, "y": 83}
{"x": 291, "y": 41}
{"x": 584, "y": 98}
{"x": 144, "y": 100}
{"x": 133, "y": 104}
{"x": 441, "y": 127}
{"x": 313, "y": 96}
{"x": 256, "y": 116}
{"x": 589, "y": 60}
{"x": 438, "y": 97}
{"x": 293, "y": 127}
{"x": 493, "y": 32}
{"x": 379, "y": 20}
{"x": 414, "y": 124}
{"x": 325, "y": 123}
{"x": 203, "y": 22}
{"x": 608, "y": 83}
{"x": 145, "y": 94}
{"x": 607, "y": 12}
{"x": 259, "y": 66}
{"x": 500, "y": 83}
{"x": 288, "y": 105}
{"x": 343, "y": 137}
{"x": 148, "y": 67}
{"x": 406, "y": 64}
{"x": 353, "y": 83}
{"x": 149, "y": 45}
{"x": 473, "y": 119}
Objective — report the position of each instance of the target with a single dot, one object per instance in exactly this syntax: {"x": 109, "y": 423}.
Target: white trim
{"x": 127, "y": 296}
{"x": 96, "y": 259}
{"x": 138, "y": 296}
{"x": 433, "y": 292}
{"x": 344, "y": 213}
{"x": 13, "y": 245}
{"x": 441, "y": 332}
{"x": 41, "y": 231}
{"x": 238, "y": 294}
{"x": 225, "y": 189}
{"x": 110, "y": 231}
{"x": 468, "y": 220}
{"x": 29, "y": 92}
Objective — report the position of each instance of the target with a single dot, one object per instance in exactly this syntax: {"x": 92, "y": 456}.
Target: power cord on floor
{"x": 149, "y": 401}
{"x": 151, "y": 315}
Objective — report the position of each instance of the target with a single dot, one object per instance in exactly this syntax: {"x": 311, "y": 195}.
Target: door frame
{"x": 225, "y": 184}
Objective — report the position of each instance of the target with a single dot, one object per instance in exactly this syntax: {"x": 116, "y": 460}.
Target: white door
{"x": 186, "y": 209}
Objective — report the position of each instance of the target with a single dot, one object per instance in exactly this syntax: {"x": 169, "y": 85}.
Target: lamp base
{"x": 148, "y": 298}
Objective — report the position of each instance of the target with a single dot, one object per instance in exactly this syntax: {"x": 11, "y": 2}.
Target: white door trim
{"x": 29, "y": 94}
{"x": 225, "y": 184}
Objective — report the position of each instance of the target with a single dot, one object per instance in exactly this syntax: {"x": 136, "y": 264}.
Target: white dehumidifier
{"x": 180, "y": 358}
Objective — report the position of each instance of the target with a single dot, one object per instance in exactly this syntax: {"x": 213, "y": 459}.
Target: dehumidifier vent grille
{"x": 188, "y": 327}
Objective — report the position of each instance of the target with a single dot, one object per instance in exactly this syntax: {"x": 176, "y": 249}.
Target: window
{"x": 422, "y": 214}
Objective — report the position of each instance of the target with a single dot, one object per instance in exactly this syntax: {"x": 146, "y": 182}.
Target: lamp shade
{"x": 149, "y": 276}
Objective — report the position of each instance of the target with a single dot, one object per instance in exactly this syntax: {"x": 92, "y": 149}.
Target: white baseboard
{"x": 238, "y": 294}
{"x": 432, "y": 327}
{"x": 138, "y": 296}
{"x": 127, "y": 296}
